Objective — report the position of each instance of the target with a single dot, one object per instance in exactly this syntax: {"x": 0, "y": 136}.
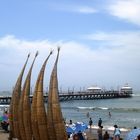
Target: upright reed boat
{"x": 33, "y": 123}
{"x": 24, "y": 111}
{"x": 14, "y": 128}
{"x": 38, "y": 113}
{"x": 56, "y": 126}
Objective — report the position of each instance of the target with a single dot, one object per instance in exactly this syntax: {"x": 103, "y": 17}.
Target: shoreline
{"x": 91, "y": 134}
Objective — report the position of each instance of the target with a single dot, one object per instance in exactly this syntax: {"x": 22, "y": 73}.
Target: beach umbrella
{"x": 5, "y": 118}
{"x": 132, "y": 135}
{"x": 70, "y": 129}
{"x": 0, "y": 118}
{"x": 80, "y": 126}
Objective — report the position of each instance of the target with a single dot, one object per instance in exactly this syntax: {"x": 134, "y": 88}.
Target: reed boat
{"x": 24, "y": 108}
{"x": 38, "y": 113}
{"x": 14, "y": 128}
{"x": 56, "y": 126}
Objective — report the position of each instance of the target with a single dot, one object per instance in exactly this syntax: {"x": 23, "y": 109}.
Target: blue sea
{"x": 125, "y": 112}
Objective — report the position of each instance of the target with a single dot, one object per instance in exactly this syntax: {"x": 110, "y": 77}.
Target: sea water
{"x": 125, "y": 112}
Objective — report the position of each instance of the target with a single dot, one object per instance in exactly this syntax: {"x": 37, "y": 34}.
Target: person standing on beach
{"x": 117, "y": 133}
{"x": 70, "y": 122}
{"x": 100, "y": 122}
{"x": 90, "y": 122}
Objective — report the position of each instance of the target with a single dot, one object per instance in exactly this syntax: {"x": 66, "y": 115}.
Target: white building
{"x": 126, "y": 89}
{"x": 94, "y": 89}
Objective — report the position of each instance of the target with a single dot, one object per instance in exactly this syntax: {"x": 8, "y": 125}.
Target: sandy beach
{"x": 3, "y": 135}
{"x": 90, "y": 133}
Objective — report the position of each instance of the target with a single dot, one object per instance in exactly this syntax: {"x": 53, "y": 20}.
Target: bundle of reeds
{"x": 14, "y": 127}
{"x": 56, "y": 126}
{"x": 38, "y": 114}
{"x": 33, "y": 121}
{"x": 24, "y": 108}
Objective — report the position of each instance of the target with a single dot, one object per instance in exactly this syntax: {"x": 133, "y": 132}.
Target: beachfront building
{"x": 94, "y": 89}
{"x": 126, "y": 89}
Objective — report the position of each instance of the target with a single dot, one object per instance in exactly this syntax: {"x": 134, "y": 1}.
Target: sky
{"x": 99, "y": 40}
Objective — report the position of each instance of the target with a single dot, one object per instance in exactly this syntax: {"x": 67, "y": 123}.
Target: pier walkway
{"x": 78, "y": 96}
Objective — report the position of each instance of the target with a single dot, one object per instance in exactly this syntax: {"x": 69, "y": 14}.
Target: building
{"x": 126, "y": 89}
{"x": 94, "y": 89}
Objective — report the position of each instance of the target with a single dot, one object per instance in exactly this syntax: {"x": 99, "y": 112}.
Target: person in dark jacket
{"x": 100, "y": 122}
{"x": 80, "y": 135}
{"x": 90, "y": 122}
{"x": 106, "y": 136}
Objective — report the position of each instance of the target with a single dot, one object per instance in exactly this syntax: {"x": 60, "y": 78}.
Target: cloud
{"x": 85, "y": 10}
{"x": 75, "y": 8}
{"x": 128, "y": 10}
{"x": 114, "y": 63}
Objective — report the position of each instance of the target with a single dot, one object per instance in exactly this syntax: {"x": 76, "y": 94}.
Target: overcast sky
{"x": 99, "y": 39}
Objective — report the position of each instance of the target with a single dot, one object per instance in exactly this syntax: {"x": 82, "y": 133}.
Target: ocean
{"x": 125, "y": 112}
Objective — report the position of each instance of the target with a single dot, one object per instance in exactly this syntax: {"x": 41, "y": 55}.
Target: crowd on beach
{"x": 101, "y": 133}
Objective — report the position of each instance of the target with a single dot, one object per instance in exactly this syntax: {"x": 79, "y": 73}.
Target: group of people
{"x": 106, "y": 135}
{"x": 4, "y": 122}
{"x": 102, "y": 135}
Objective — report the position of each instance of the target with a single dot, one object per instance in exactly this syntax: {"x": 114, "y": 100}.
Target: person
{"x": 138, "y": 137}
{"x": 5, "y": 125}
{"x": 90, "y": 122}
{"x": 64, "y": 120}
{"x": 135, "y": 127}
{"x": 100, "y": 131}
{"x": 106, "y": 136}
{"x": 100, "y": 122}
{"x": 117, "y": 133}
{"x": 80, "y": 135}
{"x": 75, "y": 137}
{"x": 70, "y": 121}
{"x": 87, "y": 114}
{"x": 109, "y": 115}
{"x": 5, "y": 122}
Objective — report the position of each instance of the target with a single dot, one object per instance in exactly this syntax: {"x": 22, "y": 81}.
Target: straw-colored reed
{"x": 24, "y": 108}
{"x": 35, "y": 130}
{"x": 14, "y": 128}
{"x": 56, "y": 126}
{"x": 41, "y": 111}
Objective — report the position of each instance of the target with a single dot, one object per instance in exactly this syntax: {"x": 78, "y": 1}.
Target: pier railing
{"x": 82, "y": 95}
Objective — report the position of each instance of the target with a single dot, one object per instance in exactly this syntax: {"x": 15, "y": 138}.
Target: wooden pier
{"x": 78, "y": 96}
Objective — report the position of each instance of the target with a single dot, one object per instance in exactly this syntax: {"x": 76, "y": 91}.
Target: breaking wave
{"x": 111, "y": 109}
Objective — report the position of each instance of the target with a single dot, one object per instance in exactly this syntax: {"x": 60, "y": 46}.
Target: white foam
{"x": 104, "y": 108}
{"x": 82, "y": 107}
{"x": 110, "y": 128}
